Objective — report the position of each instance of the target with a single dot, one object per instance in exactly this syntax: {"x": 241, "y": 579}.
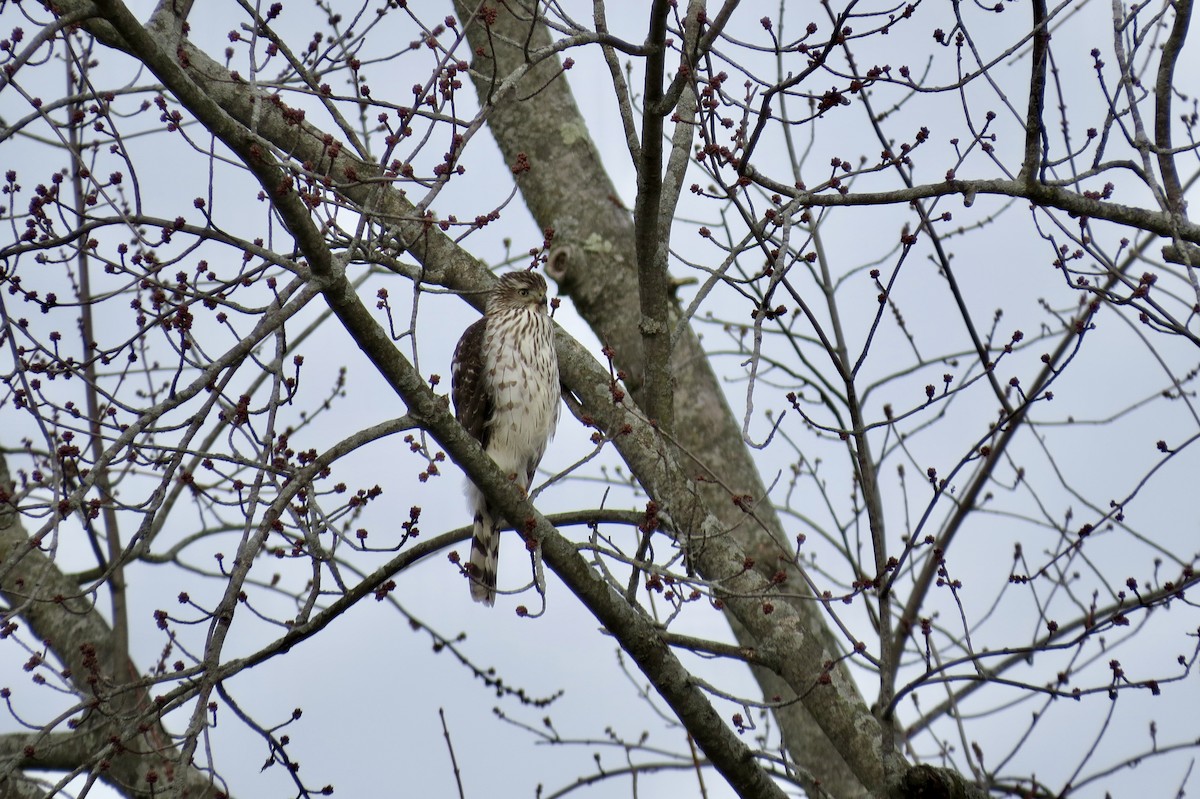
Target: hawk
{"x": 504, "y": 385}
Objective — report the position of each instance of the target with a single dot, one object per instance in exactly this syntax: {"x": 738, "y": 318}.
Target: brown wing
{"x": 469, "y": 390}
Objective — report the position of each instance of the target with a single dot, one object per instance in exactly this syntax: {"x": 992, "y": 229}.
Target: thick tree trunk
{"x": 568, "y": 190}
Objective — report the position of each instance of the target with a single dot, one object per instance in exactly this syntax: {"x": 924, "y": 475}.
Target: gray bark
{"x": 596, "y": 266}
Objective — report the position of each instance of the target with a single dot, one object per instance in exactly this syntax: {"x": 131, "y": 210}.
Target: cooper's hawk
{"x": 504, "y": 386}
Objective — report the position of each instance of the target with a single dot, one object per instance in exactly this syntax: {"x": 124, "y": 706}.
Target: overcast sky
{"x": 371, "y": 688}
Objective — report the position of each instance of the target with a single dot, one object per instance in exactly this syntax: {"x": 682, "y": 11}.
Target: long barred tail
{"x": 485, "y": 555}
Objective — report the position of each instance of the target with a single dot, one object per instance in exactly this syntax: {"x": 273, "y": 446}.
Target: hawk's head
{"x": 518, "y": 290}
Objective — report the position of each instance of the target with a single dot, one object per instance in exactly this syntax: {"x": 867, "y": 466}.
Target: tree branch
{"x": 650, "y": 236}
{"x": 1163, "y": 93}
{"x": 69, "y": 623}
{"x": 1035, "y": 128}
{"x": 597, "y": 268}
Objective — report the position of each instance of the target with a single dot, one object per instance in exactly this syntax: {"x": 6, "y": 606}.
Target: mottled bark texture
{"x": 567, "y": 189}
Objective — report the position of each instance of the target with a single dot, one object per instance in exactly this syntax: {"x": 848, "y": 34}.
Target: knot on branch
{"x": 928, "y": 782}
{"x": 558, "y": 262}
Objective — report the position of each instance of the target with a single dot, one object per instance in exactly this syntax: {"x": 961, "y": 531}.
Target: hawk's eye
{"x": 524, "y": 292}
